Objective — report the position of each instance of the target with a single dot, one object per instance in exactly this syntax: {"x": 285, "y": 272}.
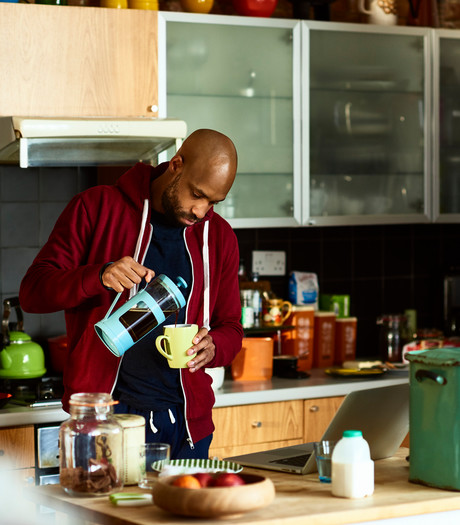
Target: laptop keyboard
{"x": 295, "y": 461}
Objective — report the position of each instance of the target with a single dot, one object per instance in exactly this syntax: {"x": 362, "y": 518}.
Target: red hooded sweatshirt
{"x": 104, "y": 224}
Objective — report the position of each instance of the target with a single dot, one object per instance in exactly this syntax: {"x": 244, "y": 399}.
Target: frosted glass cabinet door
{"x": 447, "y": 137}
{"x": 238, "y": 78}
{"x": 368, "y": 109}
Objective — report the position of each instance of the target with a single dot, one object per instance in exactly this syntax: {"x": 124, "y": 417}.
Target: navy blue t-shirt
{"x": 145, "y": 380}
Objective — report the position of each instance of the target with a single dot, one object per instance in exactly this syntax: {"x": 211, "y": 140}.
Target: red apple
{"x": 204, "y": 478}
{"x": 228, "y": 479}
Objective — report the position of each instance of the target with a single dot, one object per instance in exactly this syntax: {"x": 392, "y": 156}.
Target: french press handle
{"x": 8, "y": 304}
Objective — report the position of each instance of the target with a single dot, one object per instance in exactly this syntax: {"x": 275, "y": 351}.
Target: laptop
{"x": 382, "y": 414}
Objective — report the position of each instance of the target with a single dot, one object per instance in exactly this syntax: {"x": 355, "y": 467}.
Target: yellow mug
{"x": 275, "y": 312}
{"x": 174, "y": 343}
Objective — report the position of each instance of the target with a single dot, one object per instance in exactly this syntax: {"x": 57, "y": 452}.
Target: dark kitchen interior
{"x": 384, "y": 269}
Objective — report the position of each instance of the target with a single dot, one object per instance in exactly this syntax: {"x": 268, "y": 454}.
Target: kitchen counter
{"x": 299, "y": 500}
{"x": 234, "y": 393}
{"x": 319, "y": 384}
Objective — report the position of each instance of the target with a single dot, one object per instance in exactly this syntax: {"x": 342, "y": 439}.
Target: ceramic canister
{"x": 324, "y": 339}
{"x": 345, "y": 339}
{"x": 299, "y": 341}
{"x": 133, "y": 437}
{"x": 254, "y": 362}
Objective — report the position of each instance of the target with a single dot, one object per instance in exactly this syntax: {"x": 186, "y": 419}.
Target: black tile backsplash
{"x": 385, "y": 269}
{"x": 31, "y": 200}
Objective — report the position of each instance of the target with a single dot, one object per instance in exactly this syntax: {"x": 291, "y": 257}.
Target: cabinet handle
{"x": 2, "y": 452}
{"x": 256, "y": 424}
{"x": 314, "y": 408}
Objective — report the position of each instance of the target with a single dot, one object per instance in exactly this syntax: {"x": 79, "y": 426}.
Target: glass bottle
{"x": 392, "y": 337}
{"x": 247, "y": 309}
{"x": 91, "y": 447}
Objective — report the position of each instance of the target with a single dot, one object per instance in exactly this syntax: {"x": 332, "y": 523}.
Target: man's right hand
{"x": 125, "y": 273}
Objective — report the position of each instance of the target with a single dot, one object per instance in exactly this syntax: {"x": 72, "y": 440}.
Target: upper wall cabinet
{"x": 446, "y": 105}
{"x": 71, "y": 61}
{"x": 366, "y": 124}
{"x": 241, "y": 76}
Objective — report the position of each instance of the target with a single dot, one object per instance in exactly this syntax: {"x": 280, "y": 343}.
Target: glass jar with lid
{"x": 91, "y": 447}
{"x": 392, "y": 337}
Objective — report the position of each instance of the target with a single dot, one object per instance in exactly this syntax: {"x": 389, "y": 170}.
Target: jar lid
{"x": 391, "y": 318}
{"x": 345, "y": 319}
{"x": 325, "y": 314}
{"x": 444, "y": 356}
{"x": 130, "y": 420}
{"x": 85, "y": 399}
{"x": 302, "y": 308}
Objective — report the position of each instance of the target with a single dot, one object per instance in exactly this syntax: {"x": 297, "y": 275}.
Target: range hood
{"x": 86, "y": 141}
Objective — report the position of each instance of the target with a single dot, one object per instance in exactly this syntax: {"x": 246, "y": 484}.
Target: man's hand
{"x": 125, "y": 273}
{"x": 205, "y": 350}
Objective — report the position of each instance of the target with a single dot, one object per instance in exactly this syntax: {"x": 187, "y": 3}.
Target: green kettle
{"x": 20, "y": 357}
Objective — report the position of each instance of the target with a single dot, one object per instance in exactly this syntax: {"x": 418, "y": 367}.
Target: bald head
{"x": 198, "y": 177}
{"x": 210, "y": 157}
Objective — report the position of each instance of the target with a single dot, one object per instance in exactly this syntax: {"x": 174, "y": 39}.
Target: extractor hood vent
{"x": 86, "y": 141}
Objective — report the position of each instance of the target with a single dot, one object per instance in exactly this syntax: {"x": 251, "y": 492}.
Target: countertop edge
{"x": 234, "y": 393}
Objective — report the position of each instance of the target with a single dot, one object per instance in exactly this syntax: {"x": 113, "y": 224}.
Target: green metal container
{"x": 434, "y": 417}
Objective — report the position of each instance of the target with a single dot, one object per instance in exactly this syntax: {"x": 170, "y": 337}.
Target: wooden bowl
{"x": 214, "y": 502}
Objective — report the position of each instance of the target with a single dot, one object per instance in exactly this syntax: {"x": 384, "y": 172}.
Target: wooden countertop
{"x": 299, "y": 500}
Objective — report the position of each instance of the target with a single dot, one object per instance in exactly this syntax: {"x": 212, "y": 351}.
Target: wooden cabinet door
{"x": 259, "y": 423}
{"x": 71, "y": 61}
{"x": 17, "y": 447}
{"x": 318, "y": 413}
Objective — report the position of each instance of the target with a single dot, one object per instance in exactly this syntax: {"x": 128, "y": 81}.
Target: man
{"x": 113, "y": 239}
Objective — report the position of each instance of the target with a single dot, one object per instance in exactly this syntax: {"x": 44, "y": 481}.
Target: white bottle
{"x": 352, "y": 467}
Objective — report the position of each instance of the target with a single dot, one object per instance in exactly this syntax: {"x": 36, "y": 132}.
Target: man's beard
{"x": 172, "y": 209}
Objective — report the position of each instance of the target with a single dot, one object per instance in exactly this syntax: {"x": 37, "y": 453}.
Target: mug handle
{"x": 289, "y": 310}
{"x": 158, "y": 341}
{"x": 362, "y": 7}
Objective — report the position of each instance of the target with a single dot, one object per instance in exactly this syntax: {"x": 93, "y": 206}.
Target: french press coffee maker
{"x": 145, "y": 311}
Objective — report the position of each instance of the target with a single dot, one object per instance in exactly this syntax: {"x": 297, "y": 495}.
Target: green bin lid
{"x": 444, "y": 356}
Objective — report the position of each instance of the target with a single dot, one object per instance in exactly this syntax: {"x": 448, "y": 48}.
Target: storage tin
{"x": 133, "y": 437}
{"x": 299, "y": 341}
{"x": 435, "y": 417}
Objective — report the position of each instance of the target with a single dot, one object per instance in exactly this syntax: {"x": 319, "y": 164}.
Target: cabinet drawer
{"x": 261, "y": 423}
{"x": 318, "y": 413}
{"x": 17, "y": 447}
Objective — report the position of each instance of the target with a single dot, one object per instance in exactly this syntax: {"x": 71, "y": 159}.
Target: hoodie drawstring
{"x": 206, "y": 276}
{"x": 152, "y": 424}
{"x": 145, "y": 212}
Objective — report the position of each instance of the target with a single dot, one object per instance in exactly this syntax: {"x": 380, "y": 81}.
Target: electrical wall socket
{"x": 269, "y": 263}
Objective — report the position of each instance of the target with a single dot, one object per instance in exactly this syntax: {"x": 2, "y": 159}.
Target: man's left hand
{"x": 205, "y": 350}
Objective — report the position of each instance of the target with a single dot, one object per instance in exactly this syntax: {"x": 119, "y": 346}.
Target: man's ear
{"x": 176, "y": 163}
